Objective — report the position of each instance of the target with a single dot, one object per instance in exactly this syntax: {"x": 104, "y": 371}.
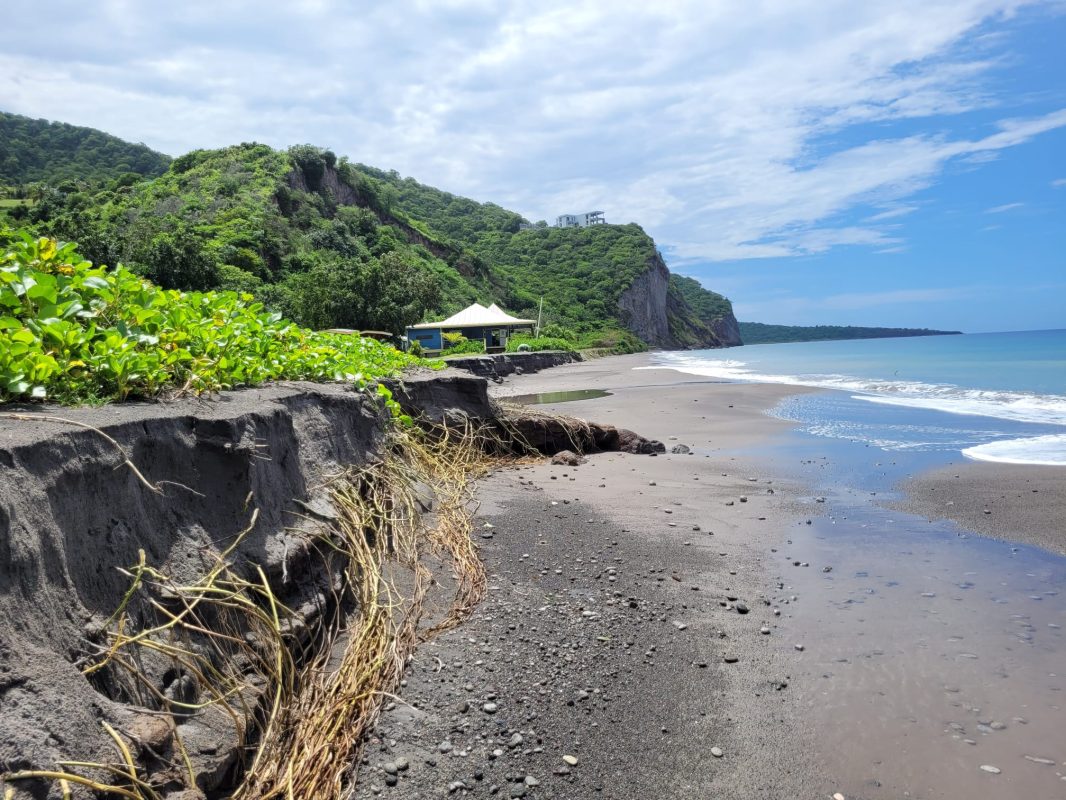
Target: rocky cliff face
{"x": 642, "y": 307}
{"x": 663, "y": 318}
{"x": 727, "y": 329}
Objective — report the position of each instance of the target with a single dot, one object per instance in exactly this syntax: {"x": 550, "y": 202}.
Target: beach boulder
{"x": 567, "y": 458}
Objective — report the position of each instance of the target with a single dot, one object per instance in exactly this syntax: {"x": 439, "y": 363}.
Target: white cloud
{"x": 892, "y": 213}
{"x": 1058, "y": 182}
{"x": 719, "y": 126}
{"x": 1004, "y": 207}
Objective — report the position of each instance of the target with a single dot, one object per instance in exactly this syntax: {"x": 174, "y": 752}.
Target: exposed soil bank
{"x": 72, "y": 514}
{"x": 245, "y": 473}
{"x": 1023, "y": 503}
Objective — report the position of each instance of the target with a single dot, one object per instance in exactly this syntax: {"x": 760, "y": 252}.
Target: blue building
{"x": 492, "y": 325}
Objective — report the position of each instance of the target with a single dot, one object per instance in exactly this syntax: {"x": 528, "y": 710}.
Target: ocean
{"x": 990, "y": 396}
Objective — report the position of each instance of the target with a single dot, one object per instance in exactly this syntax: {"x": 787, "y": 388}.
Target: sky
{"x": 884, "y": 162}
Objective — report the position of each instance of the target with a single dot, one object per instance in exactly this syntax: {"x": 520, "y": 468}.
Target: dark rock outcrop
{"x": 643, "y": 305}
{"x": 657, "y": 314}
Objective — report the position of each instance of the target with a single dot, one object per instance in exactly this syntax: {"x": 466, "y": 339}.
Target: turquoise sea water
{"x": 992, "y": 396}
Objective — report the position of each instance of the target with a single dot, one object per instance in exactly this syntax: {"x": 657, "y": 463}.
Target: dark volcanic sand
{"x": 1026, "y": 503}
{"x": 913, "y": 643}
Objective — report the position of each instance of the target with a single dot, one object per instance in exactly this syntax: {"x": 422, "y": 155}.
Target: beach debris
{"x": 1037, "y": 760}
{"x": 990, "y": 769}
{"x": 567, "y": 458}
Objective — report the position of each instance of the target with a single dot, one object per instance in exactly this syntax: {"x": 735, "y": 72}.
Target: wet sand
{"x": 613, "y": 629}
{"x": 1024, "y": 503}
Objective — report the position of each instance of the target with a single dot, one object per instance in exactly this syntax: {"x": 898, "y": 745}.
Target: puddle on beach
{"x": 929, "y": 654}
{"x": 558, "y": 397}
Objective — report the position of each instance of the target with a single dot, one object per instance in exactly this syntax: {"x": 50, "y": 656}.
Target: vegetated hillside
{"x": 760, "y": 333}
{"x": 39, "y": 151}
{"x": 605, "y": 277}
{"x": 333, "y": 244}
{"x": 710, "y": 308}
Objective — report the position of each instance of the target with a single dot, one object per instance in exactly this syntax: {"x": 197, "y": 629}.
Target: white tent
{"x": 477, "y": 316}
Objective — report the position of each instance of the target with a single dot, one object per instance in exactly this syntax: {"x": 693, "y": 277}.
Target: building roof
{"x": 477, "y": 316}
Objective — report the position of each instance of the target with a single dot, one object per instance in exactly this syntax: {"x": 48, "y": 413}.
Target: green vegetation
{"x": 579, "y": 272}
{"x": 455, "y": 344}
{"x": 39, "y": 151}
{"x": 708, "y": 305}
{"x": 74, "y": 333}
{"x": 331, "y": 244}
{"x": 538, "y": 343}
{"x": 759, "y": 333}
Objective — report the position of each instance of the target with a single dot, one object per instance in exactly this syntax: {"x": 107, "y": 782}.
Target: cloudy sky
{"x": 898, "y": 162}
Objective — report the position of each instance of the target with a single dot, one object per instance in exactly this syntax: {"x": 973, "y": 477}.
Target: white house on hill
{"x": 580, "y": 220}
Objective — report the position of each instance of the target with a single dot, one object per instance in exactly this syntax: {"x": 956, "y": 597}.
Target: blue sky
{"x": 890, "y": 162}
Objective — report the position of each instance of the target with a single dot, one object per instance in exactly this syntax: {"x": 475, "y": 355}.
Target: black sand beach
{"x": 682, "y": 626}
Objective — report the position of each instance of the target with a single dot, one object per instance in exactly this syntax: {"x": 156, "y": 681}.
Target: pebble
{"x": 390, "y": 768}
{"x": 741, "y": 608}
{"x": 800, "y": 647}
{"x": 764, "y": 631}
{"x": 1036, "y": 760}
{"x": 990, "y": 768}
{"x": 490, "y": 708}
{"x": 717, "y": 752}
{"x": 445, "y": 747}
{"x": 571, "y": 760}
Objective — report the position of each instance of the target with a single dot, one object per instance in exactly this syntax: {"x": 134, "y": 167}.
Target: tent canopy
{"x": 477, "y": 316}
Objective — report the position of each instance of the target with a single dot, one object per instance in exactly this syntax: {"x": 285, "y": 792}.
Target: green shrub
{"x": 457, "y": 344}
{"x": 538, "y": 343}
{"x": 74, "y": 333}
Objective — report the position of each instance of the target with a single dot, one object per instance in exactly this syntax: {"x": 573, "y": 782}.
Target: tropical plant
{"x": 75, "y": 333}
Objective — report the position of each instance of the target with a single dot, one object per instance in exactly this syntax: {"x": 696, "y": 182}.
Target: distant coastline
{"x": 762, "y": 333}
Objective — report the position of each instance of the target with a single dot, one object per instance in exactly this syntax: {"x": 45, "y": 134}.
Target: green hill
{"x": 39, "y": 151}
{"x": 760, "y": 333}
{"x": 334, "y": 244}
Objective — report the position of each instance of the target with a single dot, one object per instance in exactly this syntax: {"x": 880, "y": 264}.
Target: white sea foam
{"x": 1017, "y": 406}
{"x": 1048, "y": 450}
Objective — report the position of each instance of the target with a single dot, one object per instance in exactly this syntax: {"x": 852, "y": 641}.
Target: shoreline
{"x": 1018, "y": 503}
{"x": 1027, "y": 501}
{"x": 651, "y": 620}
